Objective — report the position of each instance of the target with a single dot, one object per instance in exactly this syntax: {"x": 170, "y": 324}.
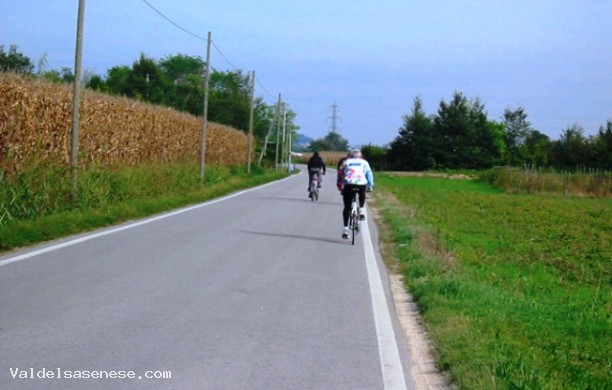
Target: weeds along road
{"x": 253, "y": 291}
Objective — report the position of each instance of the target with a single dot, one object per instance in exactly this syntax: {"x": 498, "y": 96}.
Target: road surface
{"x": 251, "y": 291}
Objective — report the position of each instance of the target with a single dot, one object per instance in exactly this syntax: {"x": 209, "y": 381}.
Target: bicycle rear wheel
{"x": 353, "y": 224}
{"x": 313, "y": 191}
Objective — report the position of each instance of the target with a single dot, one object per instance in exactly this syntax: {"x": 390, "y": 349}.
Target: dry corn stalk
{"x": 36, "y": 122}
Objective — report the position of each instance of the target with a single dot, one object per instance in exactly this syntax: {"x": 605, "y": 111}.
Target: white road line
{"x": 391, "y": 364}
{"x": 132, "y": 225}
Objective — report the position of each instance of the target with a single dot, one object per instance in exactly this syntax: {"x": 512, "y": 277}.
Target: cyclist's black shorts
{"x": 347, "y": 195}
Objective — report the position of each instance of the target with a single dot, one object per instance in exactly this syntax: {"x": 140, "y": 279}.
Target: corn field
{"x": 331, "y": 159}
{"x": 36, "y": 123}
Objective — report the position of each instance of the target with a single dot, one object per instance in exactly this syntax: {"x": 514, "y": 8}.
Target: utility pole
{"x": 289, "y": 154}
{"x": 278, "y": 107}
{"x": 334, "y": 118}
{"x": 249, "y": 142}
{"x": 76, "y": 98}
{"x": 205, "y": 113}
{"x": 284, "y": 142}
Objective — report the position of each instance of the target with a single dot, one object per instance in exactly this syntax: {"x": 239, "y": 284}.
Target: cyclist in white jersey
{"x": 354, "y": 172}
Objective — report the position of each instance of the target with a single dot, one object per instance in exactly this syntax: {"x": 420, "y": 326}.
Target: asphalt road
{"x": 253, "y": 291}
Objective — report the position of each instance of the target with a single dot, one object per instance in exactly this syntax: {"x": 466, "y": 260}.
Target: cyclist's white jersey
{"x": 357, "y": 171}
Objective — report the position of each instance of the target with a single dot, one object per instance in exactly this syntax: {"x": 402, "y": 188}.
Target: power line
{"x": 234, "y": 67}
{"x": 171, "y": 21}
{"x": 223, "y": 55}
{"x": 264, "y": 88}
{"x": 202, "y": 39}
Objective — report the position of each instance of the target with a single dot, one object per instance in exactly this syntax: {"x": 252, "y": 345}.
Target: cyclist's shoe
{"x": 362, "y": 216}
{"x": 345, "y": 233}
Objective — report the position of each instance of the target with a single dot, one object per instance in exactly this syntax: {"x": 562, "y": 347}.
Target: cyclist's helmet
{"x": 356, "y": 153}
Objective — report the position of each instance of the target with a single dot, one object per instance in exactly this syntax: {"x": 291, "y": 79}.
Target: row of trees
{"x": 175, "y": 81}
{"x": 461, "y": 136}
{"x": 332, "y": 141}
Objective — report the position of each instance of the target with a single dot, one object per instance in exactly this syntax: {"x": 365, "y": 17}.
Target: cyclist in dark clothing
{"x": 343, "y": 159}
{"x": 316, "y": 166}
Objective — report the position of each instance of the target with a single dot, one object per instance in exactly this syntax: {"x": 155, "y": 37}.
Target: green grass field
{"x": 39, "y": 205}
{"x": 515, "y": 290}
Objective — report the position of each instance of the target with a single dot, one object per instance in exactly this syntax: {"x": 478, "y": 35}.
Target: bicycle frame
{"x": 354, "y": 216}
{"x": 314, "y": 187}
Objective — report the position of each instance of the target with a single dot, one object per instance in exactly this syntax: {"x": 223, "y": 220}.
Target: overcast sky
{"x": 370, "y": 57}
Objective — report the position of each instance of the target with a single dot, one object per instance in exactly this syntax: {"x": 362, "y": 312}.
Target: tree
{"x": 265, "y": 127}
{"x": 497, "y": 147}
{"x": 291, "y": 127}
{"x": 516, "y": 130}
{"x": 413, "y": 148}
{"x": 537, "y": 149}
{"x": 187, "y": 94}
{"x": 185, "y": 74}
{"x": 376, "y": 156}
{"x": 147, "y": 82}
{"x": 602, "y": 147}
{"x": 64, "y": 76}
{"x": 464, "y": 136}
{"x": 14, "y": 61}
{"x": 263, "y": 118}
{"x": 570, "y": 151}
{"x": 331, "y": 142}
{"x": 229, "y": 99}
{"x": 176, "y": 68}
{"x": 143, "y": 81}
{"x": 96, "y": 82}
{"x": 117, "y": 80}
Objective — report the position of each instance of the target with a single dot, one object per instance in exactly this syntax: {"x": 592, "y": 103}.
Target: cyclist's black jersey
{"x": 316, "y": 162}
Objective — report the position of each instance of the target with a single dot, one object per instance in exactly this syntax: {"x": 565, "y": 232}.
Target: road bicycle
{"x": 315, "y": 184}
{"x": 313, "y": 190}
{"x": 354, "y": 215}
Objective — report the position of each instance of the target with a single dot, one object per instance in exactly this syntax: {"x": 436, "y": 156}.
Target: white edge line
{"x": 391, "y": 364}
{"x": 132, "y": 225}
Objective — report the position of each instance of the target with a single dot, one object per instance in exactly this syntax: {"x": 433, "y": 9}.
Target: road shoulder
{"x": 423, "y": 365}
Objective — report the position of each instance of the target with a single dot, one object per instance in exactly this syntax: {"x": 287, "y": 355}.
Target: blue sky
{"x": 370, "y": 57}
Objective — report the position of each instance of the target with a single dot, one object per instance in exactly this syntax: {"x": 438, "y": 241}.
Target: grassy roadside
{"x": 37, "y": 207}
{"x": 514, "y": 289}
